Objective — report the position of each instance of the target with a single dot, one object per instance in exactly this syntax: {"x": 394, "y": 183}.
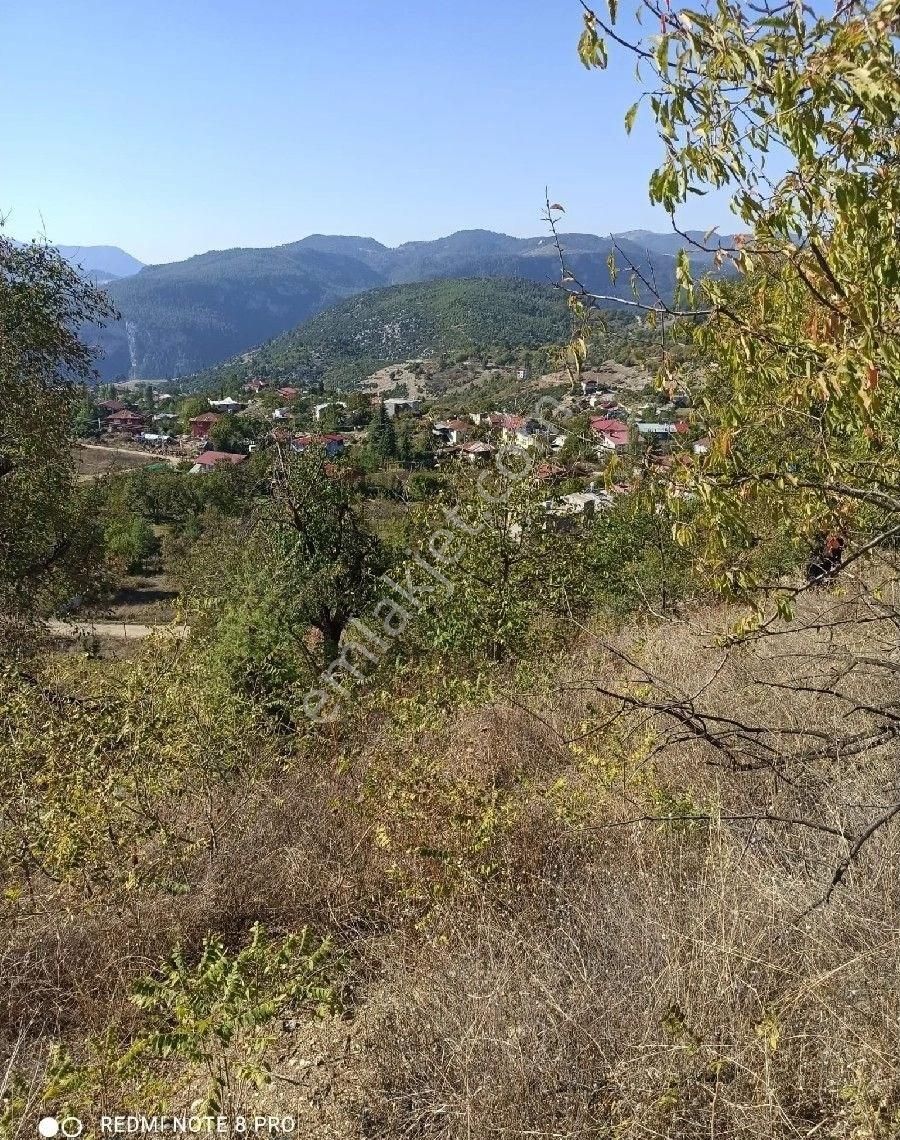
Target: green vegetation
{"x": 191, "y": 314}
{"x": 600, "y": 835}
{"x": 45, "y": 537}
{"x": 384, "y": 326}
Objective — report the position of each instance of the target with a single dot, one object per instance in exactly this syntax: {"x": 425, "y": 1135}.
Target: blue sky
{"x": 170, "y": 127}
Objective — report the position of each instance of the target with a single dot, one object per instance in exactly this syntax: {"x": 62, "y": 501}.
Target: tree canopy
{"x": 44, "y": 303}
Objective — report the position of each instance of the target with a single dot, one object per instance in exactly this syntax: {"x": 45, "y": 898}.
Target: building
{"x": 521, "y": 431}
{"x": 107, "y": 407}
{"x": 452, "y": 431}
{"x": 333, "y": 444}
{"x": 126, "y": 422}
{"x": 663, "y": 430}
{"x": 395, "y": 405}
{"x": 612, "y": 434}
{"x": 227, "y": 406}
{"x": 549, "y": 472}
{"x": 289, "y": 393}
{"x": 255, "y": 386}
{"x": 477, "y": 452}
{"x": 200, "y": 426}
{"x": 608, "y": 403}
{"x": 209, "y": 460}
{"x": 579, "y": 505}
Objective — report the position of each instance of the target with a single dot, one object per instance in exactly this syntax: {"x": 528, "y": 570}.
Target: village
{"x": 600, "y": 433}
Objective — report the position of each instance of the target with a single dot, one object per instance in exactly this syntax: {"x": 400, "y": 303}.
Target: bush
{"x": 130, "y": 542}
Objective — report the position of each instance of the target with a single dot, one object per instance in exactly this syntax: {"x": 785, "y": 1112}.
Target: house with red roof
{"x": 333, "y": 443}
{"x": 209, "y": 460}
{"x": 612, "y": 434}
{"x": 519, "y": 430}
{"x": 202, "y": 425}
{"x": 126, "y": 422}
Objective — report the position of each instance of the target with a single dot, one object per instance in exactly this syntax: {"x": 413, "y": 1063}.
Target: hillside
{"x": 384, "y": 326}
{"x": 181, "y": 318}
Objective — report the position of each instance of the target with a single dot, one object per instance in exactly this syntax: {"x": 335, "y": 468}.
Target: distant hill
{"x": 385, "y": 326}
{"x": 671, "y": 243}
{"x": 181, "y": 318}
{"x": 101, "y": 262}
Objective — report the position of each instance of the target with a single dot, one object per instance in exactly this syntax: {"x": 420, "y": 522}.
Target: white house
{"x": 578, "y": 504}
{"x": 228, "y": 406}
{"x": 657, "y": 429}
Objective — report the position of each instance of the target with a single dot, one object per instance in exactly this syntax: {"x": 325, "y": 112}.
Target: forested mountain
{"x": 384, "y": 326}
{"x": 181, "y": 318}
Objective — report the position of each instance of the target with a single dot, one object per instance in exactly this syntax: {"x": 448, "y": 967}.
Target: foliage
{"x": 794, "y": 112}
{"x": 200, "y": 1012}
{"x": 151, "y": 731}
{"x": 303, "y": 561}
{"x": 382, "y": 437}
{"x": 513, "y": 573}
{"x": 129, "y": 542}
{"x": 190, "y": 315}
{"x": 635, "y": 566}
{"x": 382, "y": 326}
{"x": 45, "y": 544}
{"x": 86, "y": 416}
{"x": 231, "y": 433}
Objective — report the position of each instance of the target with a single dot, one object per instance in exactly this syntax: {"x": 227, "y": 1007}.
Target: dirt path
{"x": 150, "y": 456}
{"x": 127, "y": 630}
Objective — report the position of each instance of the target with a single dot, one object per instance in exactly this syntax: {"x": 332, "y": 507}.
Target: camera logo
{"x": 69, "y": 1126}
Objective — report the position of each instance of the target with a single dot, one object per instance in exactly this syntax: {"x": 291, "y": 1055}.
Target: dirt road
{"x": 127, "y": 630}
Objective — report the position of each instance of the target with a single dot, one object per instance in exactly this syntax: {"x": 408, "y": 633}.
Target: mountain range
{"x": 183, "y": 317}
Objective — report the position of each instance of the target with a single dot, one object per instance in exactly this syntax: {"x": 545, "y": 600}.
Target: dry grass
{"x": 523, "y": 960}
{"x": 95, "y": 461}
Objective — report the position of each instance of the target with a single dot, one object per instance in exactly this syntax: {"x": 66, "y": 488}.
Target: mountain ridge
{"x": 180, "y": 318}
